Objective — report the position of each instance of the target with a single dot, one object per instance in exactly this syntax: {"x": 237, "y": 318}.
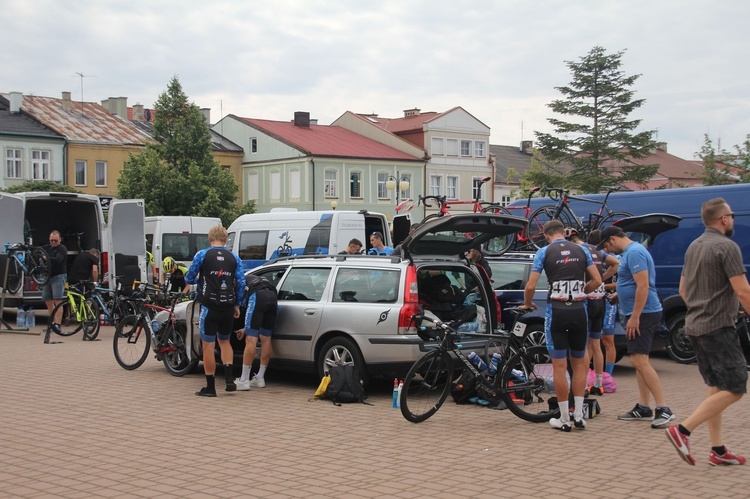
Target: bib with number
{"x": 567, "y": 290}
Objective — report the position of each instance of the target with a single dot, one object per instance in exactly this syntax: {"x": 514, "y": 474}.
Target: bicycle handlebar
{"x": 423, "y": 200}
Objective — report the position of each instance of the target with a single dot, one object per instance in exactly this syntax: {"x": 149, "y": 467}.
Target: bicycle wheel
{"x": 499, "y": 245}
{"x": 64, "y": 313}
{"x": 426, "y": 386}
{"x": 132, "y": 341}
{"x": 611, "y": 218}
{"x": 122, "y": 308}
{"x": 535, "y": 228}
{"x": 493, "y": 346}
{"x": 90, "y": 319}
{"x": 177, "y": 360}
{"x": 523, "y": 385}
{"x": 14, "y": 275}
{"x": 39, "y": 266}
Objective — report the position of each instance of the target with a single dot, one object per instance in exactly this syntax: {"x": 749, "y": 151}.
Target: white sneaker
{"x": 579, "y": 422}
{"x": 257, "y": 382}
{"x": 559, "y": 424}
{"x": 242, "y": 386}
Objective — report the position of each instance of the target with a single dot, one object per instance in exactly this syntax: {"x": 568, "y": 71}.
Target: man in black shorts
{"x": 566, "y": 265}
{"x": 713, "y": 282}
{"x": 260, "y": 319}
{"x": 221, "y": 287}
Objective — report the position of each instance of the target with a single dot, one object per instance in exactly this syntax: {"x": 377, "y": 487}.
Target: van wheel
{"x": 341, "y": 351}
{"x": 680, "y": 348}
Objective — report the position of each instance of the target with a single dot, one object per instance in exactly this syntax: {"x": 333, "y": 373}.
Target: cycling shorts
{"x": 610, "y": 318}
{"x": 262, "y": 318}
{"x": 565, "y": 331}
{"x": 215, "y": 323}
{"x": 595, "y": 310}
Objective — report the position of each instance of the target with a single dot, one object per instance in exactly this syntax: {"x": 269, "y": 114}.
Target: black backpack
{"x": 345, "y": 386}
{"x": 464, "y": 388}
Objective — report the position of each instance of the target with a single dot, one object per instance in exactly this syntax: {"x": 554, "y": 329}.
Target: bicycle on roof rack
{"x": 444, "y": 203}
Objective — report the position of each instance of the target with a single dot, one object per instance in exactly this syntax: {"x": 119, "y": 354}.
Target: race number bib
{"x": 597, "y": 294}
{"x": 567, "y": 291}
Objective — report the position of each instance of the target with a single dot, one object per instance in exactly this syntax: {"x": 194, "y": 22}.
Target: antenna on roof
{"x": 82, "y": 77}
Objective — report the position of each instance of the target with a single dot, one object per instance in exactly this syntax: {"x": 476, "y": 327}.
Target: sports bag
{"x": 464, "y": 388}
{"x": 345, "y": 386}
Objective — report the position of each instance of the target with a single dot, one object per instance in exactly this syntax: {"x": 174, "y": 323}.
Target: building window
{"x": 438, "y": 147}
{"x": 330, "y": 184}
{"x": 476, "y": 188}
{"x": 382, "y": 189}
{"x": 253, "y": 145}
{"x": 276, "y": 185}
{"x": 435, "y": 185}
{"x": 252, "y": 186}
{"x": 294, "y": 184}
{"x": 355, "y": 184}
{"x": 451, "y": 147}
{"x": 479, "y": 148}
{"x": 80, "y": 175}
{"x": 504, "y": 200}
{"x": 465, "y": 148}
{"x": 40, "y": 165}
{"x": 101, "y": 174}
{"x": 451, "y": 187}
{"x": 407, "y": 193}
{"x": 13, "y": 163}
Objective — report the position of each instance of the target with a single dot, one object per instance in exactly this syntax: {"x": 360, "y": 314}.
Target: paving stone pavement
{"x": 75, "y": 424}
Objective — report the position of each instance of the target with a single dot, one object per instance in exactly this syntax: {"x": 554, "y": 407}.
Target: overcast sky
{"x": 500, "y": 60}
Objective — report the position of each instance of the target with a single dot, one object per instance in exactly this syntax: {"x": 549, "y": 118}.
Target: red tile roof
{"x": 670, "y": 166}
{"x": 326, "y": 140}
{"x": 85, "y": 122}
{"x": 400, "y": 125}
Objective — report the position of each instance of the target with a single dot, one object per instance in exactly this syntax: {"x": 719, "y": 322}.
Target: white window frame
{"x": 275, "y": 185}
{"x": 406, "y": 195}
{"x": 436, "y": 182}
{"x": 382, "y": 189}
{"x": 330, "y": 184}
{"x": 103, "y": 165}
{"x": 83, "y": 163}
{"x": 480, "y": 149}
{"x": 14, "y": 163}
{"x": 253, "y": 145}
{"x": 505, "y": 200}
{"x": 474, "y": 184}
{"x": 452, "y": 187}
{"x": 465, "y": 148}
{"x": 295, "y": 184}
{"x": 41, "y": 163}
{"x": 437, "y": 146}
{"x": 355, "y": 184}
{"x": 252, "y": 186}
{"x": 451, "y": 147}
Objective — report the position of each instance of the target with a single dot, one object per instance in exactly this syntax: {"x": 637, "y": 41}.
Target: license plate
{"x": 519, "y": 329}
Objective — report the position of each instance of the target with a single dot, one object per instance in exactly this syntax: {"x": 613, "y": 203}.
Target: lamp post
{"x": 334, "y": 204}
{"x": 391, "y": 185}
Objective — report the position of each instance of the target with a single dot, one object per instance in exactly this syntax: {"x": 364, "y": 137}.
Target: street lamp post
{"x": 402, "y": 185}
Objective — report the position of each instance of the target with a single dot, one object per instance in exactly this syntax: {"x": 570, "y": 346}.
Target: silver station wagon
{"x": 339, "y": 309}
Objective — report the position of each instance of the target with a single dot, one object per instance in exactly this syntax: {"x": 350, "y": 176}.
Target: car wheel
{"x": 680, "y": 348}
{"x": 534, "y": 336}
{"x": 341, "y": 351}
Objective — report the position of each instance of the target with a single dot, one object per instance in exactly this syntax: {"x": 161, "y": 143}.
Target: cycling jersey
{"x": 598, "y": 258}
{"x": 565, "y": 264}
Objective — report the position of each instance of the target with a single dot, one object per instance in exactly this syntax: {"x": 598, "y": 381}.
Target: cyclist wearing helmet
{"x": 176, "y": 272}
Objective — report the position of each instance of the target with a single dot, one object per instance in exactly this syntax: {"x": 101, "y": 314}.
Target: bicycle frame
{"x": 445, "y": 204}
{"x": 594, "y": 217}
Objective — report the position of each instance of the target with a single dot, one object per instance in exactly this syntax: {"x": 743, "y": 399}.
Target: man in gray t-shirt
{"x": 713, "y": 282}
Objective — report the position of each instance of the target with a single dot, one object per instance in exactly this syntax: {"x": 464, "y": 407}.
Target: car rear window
{"x": 366, "y": 285}
{"x": 510, "y": 276}
{"x": 304, "y": 284}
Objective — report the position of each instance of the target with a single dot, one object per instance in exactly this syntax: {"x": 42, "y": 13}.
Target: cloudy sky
{"x": 500, "y": 60}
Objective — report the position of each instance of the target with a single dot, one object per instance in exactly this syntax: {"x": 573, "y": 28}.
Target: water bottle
{"x": 495, "y": 362}
{"x": 223, "y": 285}
{"x": 395, "y": 393}
{"x": 477, "y": 361}
{"x": 21, "y": 318}
{"x": 30, "y": 318}
{"x": 400, "y": 389}
{"x": 518, "y": 374}
{"x": 155, "y": 325}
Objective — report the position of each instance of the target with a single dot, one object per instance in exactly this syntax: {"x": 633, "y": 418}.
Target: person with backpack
{"x": 221, "y": 288}
{"x": 260, "y": 319}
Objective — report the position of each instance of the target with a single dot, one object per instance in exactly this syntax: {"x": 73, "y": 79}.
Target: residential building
{"x": 673, "y": 172}
{"x": 510, "y": 164}
{"x": 99, "y": 143}
{"x": 30, "y": 150}
{"x": 454, "y": 143}
{"x": 300, "y": 164}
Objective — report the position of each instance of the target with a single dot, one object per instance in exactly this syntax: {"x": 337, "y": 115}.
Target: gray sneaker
{"x": 637, "y": 414}
{"x": 257, "y": 382}
{"x": 662, "y": 416}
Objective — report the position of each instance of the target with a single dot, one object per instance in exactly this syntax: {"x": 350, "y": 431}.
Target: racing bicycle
{"x": 76, "y": 312}
{"x": 522, "y": 379}
{"x": 24, "y": 259}
{"x": 444, "y": 204}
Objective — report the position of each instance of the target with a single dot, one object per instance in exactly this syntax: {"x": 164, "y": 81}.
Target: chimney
{"x": 66, "y": 103}
{"x": 527, "y": 147}
{"x": 302, "y": 119}
{"x": 660, "y": 145}
{"x": 411, "y": 112}
{"x": 16, "y": 101}
{"x": 121, "y": 107}
{"x": 313, "y": 121}
{"x": 138, "y": 112}
{"x": 207, "y": 114}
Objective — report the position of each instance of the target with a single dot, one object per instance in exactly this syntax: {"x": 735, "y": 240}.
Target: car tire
{"x": 341, "y": 351}
{"x": 680, "y": 348}
{"x": 534, "y": 336}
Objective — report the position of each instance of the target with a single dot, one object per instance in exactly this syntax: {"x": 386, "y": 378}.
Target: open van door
{"x": 127, "y": 236}
{"x": 11, "y": 229}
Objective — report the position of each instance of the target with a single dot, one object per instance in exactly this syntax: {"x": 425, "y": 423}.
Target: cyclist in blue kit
{"x": 566, "y": 265}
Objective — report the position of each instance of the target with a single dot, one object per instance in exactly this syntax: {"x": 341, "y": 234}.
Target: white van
{"x": 80, "y": 220}
{"x": 259, "y": 237}
{"x": 178, "y": 237}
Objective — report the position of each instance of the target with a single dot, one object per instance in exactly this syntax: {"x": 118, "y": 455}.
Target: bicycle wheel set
{"x": 426, "y": 386}
{"x": 132, "y": 341}
{"x": 525, "y": 384}
{"x": 174, "y": 352}
{"x": 76, "y": 317}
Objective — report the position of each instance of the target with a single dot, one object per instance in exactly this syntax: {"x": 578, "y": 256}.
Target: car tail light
{"x": 411, "y": 300}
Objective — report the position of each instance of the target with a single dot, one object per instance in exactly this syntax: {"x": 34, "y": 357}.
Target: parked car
{"x": 510, "y": 273}
{"x": 344, "y": 309}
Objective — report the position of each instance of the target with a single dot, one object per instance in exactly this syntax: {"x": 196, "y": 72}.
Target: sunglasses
{"x": 54, "y": 240}
{"x": 728, "y": 215}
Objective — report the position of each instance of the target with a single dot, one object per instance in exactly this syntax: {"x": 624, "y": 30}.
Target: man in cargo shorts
{"x": 54, "y": 290}
{"x": 713, "y": 282}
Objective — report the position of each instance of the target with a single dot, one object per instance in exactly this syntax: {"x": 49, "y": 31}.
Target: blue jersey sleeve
{"x": 589, "y": 260}
{"x": 538, "y": 265}
{"x": 239, "y": 279}
{"x": 192, "y": 274}
{"x": 249, "y": 312}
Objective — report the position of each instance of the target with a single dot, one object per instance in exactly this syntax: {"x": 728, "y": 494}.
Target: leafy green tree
{"x": 713, "y": 172}
{"x": 741, "y": 161}
{"x": 599, "y": 101}
{"x": 41, "y": 186}
{"x": 178, "y": 174}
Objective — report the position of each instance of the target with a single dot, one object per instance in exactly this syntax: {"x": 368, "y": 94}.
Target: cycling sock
{"x": 578, "y": 407}
{"x": 228, "y": 374}
{"x": 609, "y": 367}
{"x": 720, "y": 450}
{"x": 210, "y": 382}
{"x": 684, "y": 430}
{"x": 245, "y": 373}
{"x": 261, "y": 372}
{"x": 564, "y": 411}
{"x": 598, "y": 382}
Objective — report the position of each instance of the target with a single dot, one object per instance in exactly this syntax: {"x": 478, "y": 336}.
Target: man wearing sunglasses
{"x": 713, "y": 284}
{"x": 53, "y": 291}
